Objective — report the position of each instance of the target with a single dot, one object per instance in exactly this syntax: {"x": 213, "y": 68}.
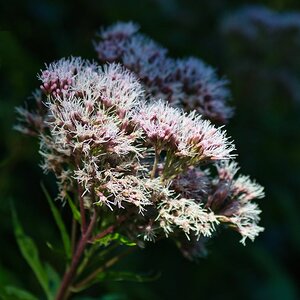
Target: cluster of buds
{"x": 188, "y": 83}
{"x": 137, "y": 159}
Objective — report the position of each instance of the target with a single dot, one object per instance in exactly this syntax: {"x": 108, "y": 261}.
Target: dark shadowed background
{"x": 265, "y": 128}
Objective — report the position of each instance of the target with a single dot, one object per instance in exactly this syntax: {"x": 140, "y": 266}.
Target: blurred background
{"x": 256, "y": 45}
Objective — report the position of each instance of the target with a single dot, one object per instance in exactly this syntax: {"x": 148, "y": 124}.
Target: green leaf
{"x": 126, "y": 276}
{"x": 30, "y": 253}
{"x": 5, "y": 161}
{"x": 110, "y": 296}
{"x": 60, "y": 224}
{"x": 7, "y": 276}
{"x": 125, "y": 241}
{"x": 106, "y": 240}
{"x": 53, "y": 279}
{"x": 121, "y": 239}
{"x": 75, "y": 211}
{"x": 114, "y": 296}
{"x": 12, "y": 292}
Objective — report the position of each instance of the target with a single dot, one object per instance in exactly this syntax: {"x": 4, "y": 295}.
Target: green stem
{"x": 73, "y": 235}
{"x": 85, "y": 260}
{"x": 81, "y": 202}
{"x": 89, "y": 279}
{"x": 82, "y": 212}
{"x": 155, "y": 164}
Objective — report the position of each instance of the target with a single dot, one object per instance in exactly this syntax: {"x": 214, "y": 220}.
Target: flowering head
{"x": 131, "y": 168}
{"x": 133, "y": 158}
{"x": 160, "y": 124}
{"x": 58, "y": 77}
{"x": 187, "y": 83}
{"x": 115, "y": 40}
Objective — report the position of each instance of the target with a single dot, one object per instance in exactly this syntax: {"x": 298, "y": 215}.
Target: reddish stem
{"x": 102, "y": 234}
{"x": 69, "y": 274}
{"x": 109, "y": 229}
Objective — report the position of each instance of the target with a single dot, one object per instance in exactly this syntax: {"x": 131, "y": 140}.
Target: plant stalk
{"x": 64, "y": 292}
{"x": 73, "y": 235}
{"x": 155, "y": 164}
{"x": 89, "y": 279}
{"x": 82, "y": 212}
{"x": 104, "y": 233}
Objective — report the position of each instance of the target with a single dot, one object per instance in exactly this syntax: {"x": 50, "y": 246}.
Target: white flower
{"x": 202, "y": 140}
{"x": 227, "y": 169}
{"x": 59, "y": 76}
{"x": 160, "y": 123}
{"x": 246, "y": 220}
{"x": 188, "y": 216}
{"x": 187, "y": 135}
{"x": 119, "y": 89}
{"x": 128, "y": 189}
{"x": 246, "y": 190}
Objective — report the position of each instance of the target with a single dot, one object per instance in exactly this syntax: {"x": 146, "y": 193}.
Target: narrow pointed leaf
{"x": 60, "y": 224}
{"x": 30, "y": 253}
{"x": 121, "y": 239}
{"x": 13, "y": 292}
{"x": 53, "y": 279}
{"x": 126, "y": 241}
{"x": 75, "y": 211}
{"x": 126, "y": 276}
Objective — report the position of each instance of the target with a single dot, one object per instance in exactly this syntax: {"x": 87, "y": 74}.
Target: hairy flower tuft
{"x": 246, "y": 219}
{"x": 231, "y": 199}
{"x": 59, "y": 76}
{"x": 188, "y": 216}
{"x": 188, "y": 83}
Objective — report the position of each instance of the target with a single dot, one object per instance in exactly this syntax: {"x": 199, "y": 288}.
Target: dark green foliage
{"x": 265, "y": 128}
{"x": 12, "y": 292}
{"x": 60, "y": 224}
{"x": 45, "y": 275}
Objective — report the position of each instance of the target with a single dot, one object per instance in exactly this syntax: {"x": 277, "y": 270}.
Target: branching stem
{"x": 102, "y": 234}
{"x": 89, "y": 279}
{"x": 64, "y": 291}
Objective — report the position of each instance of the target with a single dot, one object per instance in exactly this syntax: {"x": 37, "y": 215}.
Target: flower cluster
{"x": 188, "y": 83}
{"x": 232, "y": 198}
{"x": 159, "y": 169}
{"x": 140, "y": 159}
{"x": 187, "y": 215}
